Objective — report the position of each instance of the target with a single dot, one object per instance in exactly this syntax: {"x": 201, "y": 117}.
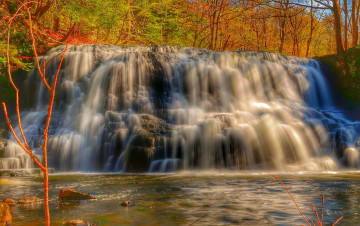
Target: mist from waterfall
{"x": 164, "y": 108}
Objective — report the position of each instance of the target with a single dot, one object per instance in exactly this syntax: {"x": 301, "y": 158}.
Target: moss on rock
{"x": 345, "y": 74}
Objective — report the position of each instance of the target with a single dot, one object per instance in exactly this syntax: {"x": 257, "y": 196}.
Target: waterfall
{"x": 162, "y": 108}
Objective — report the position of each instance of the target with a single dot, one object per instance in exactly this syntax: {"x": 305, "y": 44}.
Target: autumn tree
{"x": 334, "y": 7}
{"x": 24, "y": 8}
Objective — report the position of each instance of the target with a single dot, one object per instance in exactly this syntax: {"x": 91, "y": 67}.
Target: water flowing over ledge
{"x": 162, "y": 108}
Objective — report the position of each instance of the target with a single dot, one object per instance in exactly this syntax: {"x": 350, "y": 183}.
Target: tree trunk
{"x": 41, "y": 9}
{"x": 346, "y": 24}
{"x": 46, "y": 195}
{"x": 56, "y": 23}
{"x": 311, "y": 30}
{"x": 337, "y": 26}
{"x": 218, "y": 22}
{"x": 354, "y": 23}
{"x": 68, "y": 33}
{"x": 282, "y": 34}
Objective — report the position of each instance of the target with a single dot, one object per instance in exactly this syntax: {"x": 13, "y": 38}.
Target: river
{"x": 218, "y": 198}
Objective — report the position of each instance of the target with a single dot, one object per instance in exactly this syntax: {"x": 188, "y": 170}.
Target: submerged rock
{"x": 5, "y": 215}
{"x": 29, "y": 200}
{"x": 68, "y": 194}
{"x": 127, "y": 204}
{"x": 77, "y": 222}
{"x": 10, "y": 202}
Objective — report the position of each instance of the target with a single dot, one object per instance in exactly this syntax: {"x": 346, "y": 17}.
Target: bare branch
{"x": 28, "y": 151}
{"x": 34, "y": 48}
{"x": 10, "y": 76}
{"x": 51, "y": 103}
{"x": 276, "y": 178}
{"x": 301, "y": 5}
{"x": 337, "y": 221}
{"x": 314, "y": 208}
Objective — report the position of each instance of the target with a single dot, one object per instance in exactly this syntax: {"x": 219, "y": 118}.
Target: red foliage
{"x": 28, "y": 58}
{"x": 55, "y": 37}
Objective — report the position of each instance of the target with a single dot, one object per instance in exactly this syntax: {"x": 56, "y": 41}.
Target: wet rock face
{"x": 5, "y": 215}
{"x": 68, "y": 194}
{"x": 144, "y": 141}
{"x": 343, "y": 139}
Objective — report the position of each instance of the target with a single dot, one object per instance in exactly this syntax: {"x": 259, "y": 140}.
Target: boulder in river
{"x": 29, "y": 200}
{"x": 68, "y": 194}
{"x": 5, "y": 215}
{"x": 127, "y": 204}
{"x": 10, "y": 202}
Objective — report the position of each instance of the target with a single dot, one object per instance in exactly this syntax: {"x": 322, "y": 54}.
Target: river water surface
{"x": 218, "y": 198}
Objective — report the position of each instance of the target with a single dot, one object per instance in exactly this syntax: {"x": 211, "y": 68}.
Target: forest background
{"x": 290, "y": 27}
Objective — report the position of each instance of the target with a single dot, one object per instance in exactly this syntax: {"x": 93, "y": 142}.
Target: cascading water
{"x": 161, "y": 109}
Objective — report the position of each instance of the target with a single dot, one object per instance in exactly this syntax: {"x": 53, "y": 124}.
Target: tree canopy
{"x": 290, "y": 27}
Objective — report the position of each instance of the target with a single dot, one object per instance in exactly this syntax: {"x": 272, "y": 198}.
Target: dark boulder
{"x": 143, "y": 142}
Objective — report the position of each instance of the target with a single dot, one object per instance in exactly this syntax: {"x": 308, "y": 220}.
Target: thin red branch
{"x": 26, "y": 148}
{"x": 28, "y": 151}
{"x": 337, "y": 221}
{"x": 51, "y": 103}
{"x": 44, "y": 148}
{"x": 198, "y": 220}
{"x": 316, "y": 213}
{"x": 10, "y": 77}
{"x": 276, "y": 178}
{"x": 34, "y": 47}
{"x": 52, "y": 59}
{"x": 322, "y": 208}
{"x": 44, "y": 66}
